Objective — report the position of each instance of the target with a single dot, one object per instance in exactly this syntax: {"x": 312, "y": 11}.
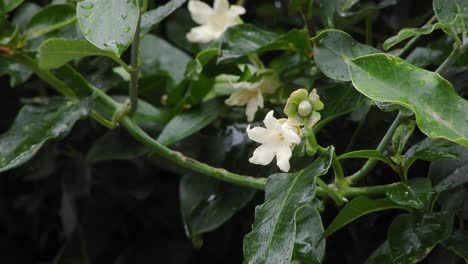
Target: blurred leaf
{"x": 109, "y": 25}
{"x": 411, "y": 237}
{"x": 423, "y": 57}
{"x": 458, "y": 243}
{"x": 18, "y": 72}
{"x": 146, "y": 114}
{"x": 74, "y": 251}
{"x": 207, "y": 203}
{"x": 56, "y": 52}
{"x": 332, "y": 48}
{"x": 35, "y": 125}
{"x": 453, "y": 13}
{"x": 358, "y": 207}
{"x": 308, "y": 249}
{"x": 274, "y": 231}
{"x": 195, "y": 67}
{"x": 407, "y": 33}
{"x": 188, "y": 123}
{"x": 245, "y": 39}
{"x": 50, "y": 18}
{"x": 413, "y": 194}
{"x": 153, "y": 17}
{"x": 10, "y": 5}
{"x": 457, "y": 178}
{"x": 77, "y": 179}
{"x": 401, "y": 136}
{"x": 24, "y": 14}
{"x": 381, "y": 255}
{"x": 440, "y": 111}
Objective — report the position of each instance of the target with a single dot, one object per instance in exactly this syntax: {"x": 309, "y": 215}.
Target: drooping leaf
{"x": 413, "y": 194}
{"x": 381, "y": 255}
{"x": 407, "y": 33}
{"x": 358, "y": 207}
{"x": 411, "y": 237}
{"x": 332, "y": 47}
{"x": 458, "y": 243}
{"x": 308, "y": 248}
{"x": 274, "y": 231}
{"x": 401, "y": 136}
{"x": 452, "y": 13}
{"x": 367, "y": 154}
{"x": 155, "y": 16}
{"x": 109, "y": 25}
{"x": 207, "y": 203}
{"x": 55, "y": 52}
{"x": 50, "y": 18}
{"x": 440, "y": 111}
{"x": 186, "y": 124}
{"x": 35, "y": 125}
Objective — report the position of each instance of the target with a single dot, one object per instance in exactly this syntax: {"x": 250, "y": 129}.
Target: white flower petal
{"x": 236, "y": 10}
{"x": 252, "y": 106}
{"x": 221, "y": 6}
{"x": 271, "y": 122}
{"x": 200, "y": 11}
{"x": 263, "y": 155}
{"x": 283, "y": 154}
{"x": 202, "y": 34}
{"x": 290, "y": 133}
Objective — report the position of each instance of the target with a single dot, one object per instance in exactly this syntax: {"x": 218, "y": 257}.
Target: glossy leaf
{"x": 367, "y": 154}
{"x": 109, "y": 25}
{"x": 413, "y": 194}
{"x": 381, "y": 255}
{"x": 35, "y": 125}
{"x": 401, "y": 136}
{"x": 457, "y": 178}
{"x": 10, "y": 5}
{"x": 244, "y": 39}
{"x": 411, "y": 237}
{"x": 358, "y": 207}
{"x": 407, "y": 33}
{"x": 54, "y": 53}
{"x": 440, "y": 111}
{"x": 332, "y": 48}
{"x": 186, "y": 124}
{"x": 458, "y": 243}
{"x": 274, "y": 231}
{"x": 155, "y": 16}
{"x": 453, "y": 13}
{"x": 308, "y": 248}
{"x": 207, "y": 203}
{"x": 50, "y": 18}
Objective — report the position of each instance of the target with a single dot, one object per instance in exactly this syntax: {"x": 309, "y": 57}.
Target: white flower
{"x": 251, "y": 94}
{"x": 214, "y": 21}
{"x": 277, "y": 139}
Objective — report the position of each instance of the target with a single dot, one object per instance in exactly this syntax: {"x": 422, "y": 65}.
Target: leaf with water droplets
{"x": 273, "y": 235}
{"x": 440, "y": 111}
{"x": 35, "y": 125}
{"x": 109, "y": 25}
{"x": 413, "y": 194}
{"x": 453, "y": 13}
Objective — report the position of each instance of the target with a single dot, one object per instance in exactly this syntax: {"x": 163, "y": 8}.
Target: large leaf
{"x": 411, "y": 237}
{"x": 332, "y": 48}
{"x": 452, "y": 12}
{"x": 155, "y": 16}
{"x": 109, "y": 25}
{"x": 186, "y": 124}
{"x": 358, "y": 207}
{"x": 274, "y": 231}
{"x": 35, "y": 125}
{"x": 50, "y": 18}
{"x": 55, "y": 52}
{"x": 308, "y": 248}
{"x": 413, "y": 194}
{"x": 440, "y": 111}
{"x": 207, "y": 203}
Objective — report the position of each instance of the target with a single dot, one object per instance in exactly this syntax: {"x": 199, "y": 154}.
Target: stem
{"x": 369, "y": 165}
{"x": 135, "y": 69}
{"x": 122, "y": 63}
{"x": 194, "y": 165}
{"x": 328, "y": 190}
{"x": 457, "y": 51}
{"x": 410, "y": 44}
{"x": 351, "y": 192}
{"x": 337, "y": 168}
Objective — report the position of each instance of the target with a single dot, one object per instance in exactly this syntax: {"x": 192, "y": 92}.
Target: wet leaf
{"x": 453, "y": 13}
{"x": 413, "y": 194}
{"x": 407, "y": 33}
{"x": 308, "y": 248}
{"x": 50, "y": 18}
{"x": 153, "y": 17}
{"x": 458, "y": 243}
{"x": 401, "y": 136}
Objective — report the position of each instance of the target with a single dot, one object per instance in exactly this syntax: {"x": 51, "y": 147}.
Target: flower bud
{"x": 301, "y": 107}
{"x": 305, "y": 108}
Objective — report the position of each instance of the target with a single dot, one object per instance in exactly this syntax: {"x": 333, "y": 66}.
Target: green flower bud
{"x": 302, "y": 107}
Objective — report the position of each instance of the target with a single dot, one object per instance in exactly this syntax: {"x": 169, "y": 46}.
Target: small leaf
{"x": 308, "y": 248}
{"x": 274, "y": 232}
{"x": 458, "y": 243}
{"x": 358, "y": 207}
{"x": 155, "y": 16}
{"x": 413, "y": 194}
{"x": 452, "y": 13}
{"x": 35, "y": 125}
{"x": 367, "y": 154}
{"x": 188, "y": 123}
{"x": 332, "y": 47}
{"x": 50, "y": 18}
{"x": 109, "y": 25}
{"x": 54, "y": 53}
{"x": 440, "y": 111}
{"x": 411, "y": 237}
{"x": 401, "y": 135}
{"x": 407, "y": 33}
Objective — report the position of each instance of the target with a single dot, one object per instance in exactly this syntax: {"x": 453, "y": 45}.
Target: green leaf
{"x": 332, "y": 48}
{"x": 207, "y": 203}
{"x": 50, "y": 18}
{"x": 74, "y": 250}
{"x": 457, "y": 178}
{"x": 413, "y": 194}
{"x": 367, "y": 154}
{"x": 155, "y": 16}
{"x": 188, "y": 123}
{"x": 411, "y": 237}
{"x": 407, "y": 33}
{"x": 308, "y": 248}
{"x": 274, "y": 231}
{"x": 10, "y": 5}
{"x": 109, "y": 25}
{"x": 54, "y": 53}
{"x": 381, "y": 255}
{"x": 35, "y": 125}
{"x": 458, "y": 243}
{"x": 358, "y": 207}
{"x": 453, "y": 13}
{"x": 440, "y": 111}
{"x": 244, "y": 39}
{"x": 18, "y": 72}
{"x": 401, "y": 136}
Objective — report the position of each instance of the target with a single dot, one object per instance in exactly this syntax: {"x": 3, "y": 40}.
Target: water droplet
{"x": 87, "y": 5}
{"x": 124, "y": 16}
{"x": 211, "y": 198}
{"x": 421, "y": 82}
{"x": 127, "y": 29}
{"x": 86, "y": 32}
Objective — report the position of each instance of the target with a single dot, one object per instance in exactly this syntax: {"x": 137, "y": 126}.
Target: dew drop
{"x": 87, "y": 5}
{"x": 127, "y": 29}
{"x": 421, "y": 82}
